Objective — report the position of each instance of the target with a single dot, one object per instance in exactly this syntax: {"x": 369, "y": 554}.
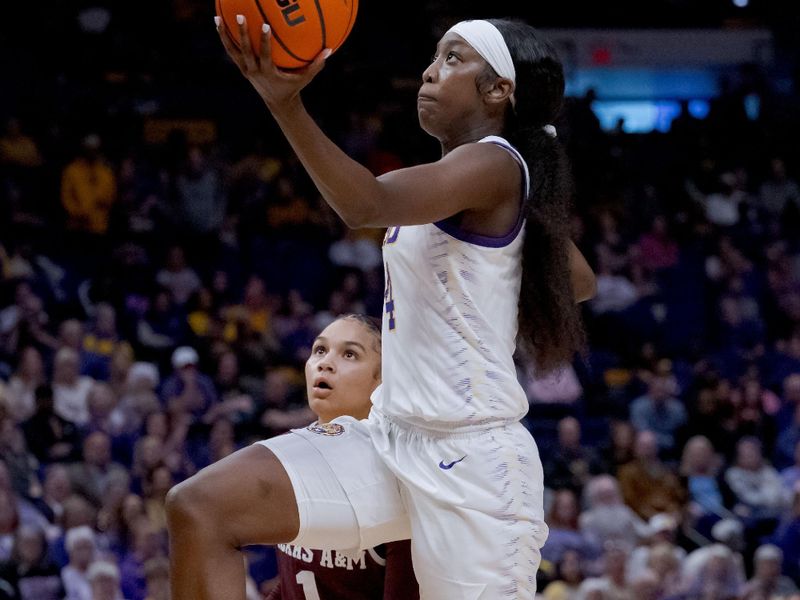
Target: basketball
{"x": 301, "y": 29}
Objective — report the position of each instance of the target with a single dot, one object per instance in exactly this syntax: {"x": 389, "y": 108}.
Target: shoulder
{"x": 482, "y": 157}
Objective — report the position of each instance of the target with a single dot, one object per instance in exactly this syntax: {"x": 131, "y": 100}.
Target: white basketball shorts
{"x": 471, "y": 502}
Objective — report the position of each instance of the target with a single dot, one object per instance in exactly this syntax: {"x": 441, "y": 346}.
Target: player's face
{"x": 449, "y": 99}
{"x": 342, "y": 371}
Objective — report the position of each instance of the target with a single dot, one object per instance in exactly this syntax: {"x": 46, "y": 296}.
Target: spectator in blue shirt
{"x": 658, "y": 411}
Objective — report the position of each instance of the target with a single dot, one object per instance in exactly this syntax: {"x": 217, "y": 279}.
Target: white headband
{"x": 489, "y": 43}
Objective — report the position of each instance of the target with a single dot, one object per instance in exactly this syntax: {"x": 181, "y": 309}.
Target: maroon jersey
{"x": 382, "y": 573}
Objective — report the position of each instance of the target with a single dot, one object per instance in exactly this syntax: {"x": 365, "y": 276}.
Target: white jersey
{"x": 450, "y": 323}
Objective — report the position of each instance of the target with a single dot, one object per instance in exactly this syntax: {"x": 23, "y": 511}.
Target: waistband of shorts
{"x": 439, "y": 429}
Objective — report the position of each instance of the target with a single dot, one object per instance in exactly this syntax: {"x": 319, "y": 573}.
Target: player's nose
{"x": 326, "y": 364}
{"x": 429, "y": 74}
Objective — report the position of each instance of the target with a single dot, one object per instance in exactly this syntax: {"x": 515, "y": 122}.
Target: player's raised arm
{"x": 470, "y": 177}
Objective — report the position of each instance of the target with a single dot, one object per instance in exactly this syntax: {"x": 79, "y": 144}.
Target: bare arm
{"x": 584, "y": 283}
{"x": 471, "y": 177}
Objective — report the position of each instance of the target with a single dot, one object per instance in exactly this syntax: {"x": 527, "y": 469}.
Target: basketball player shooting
{"x": 477, "y": 260}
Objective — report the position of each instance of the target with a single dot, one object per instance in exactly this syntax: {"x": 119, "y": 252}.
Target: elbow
{"x": 358, "y": 219}
{"x": 354, "y": 221}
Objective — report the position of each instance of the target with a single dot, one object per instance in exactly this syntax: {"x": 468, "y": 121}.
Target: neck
{"x": 471, "y": 133}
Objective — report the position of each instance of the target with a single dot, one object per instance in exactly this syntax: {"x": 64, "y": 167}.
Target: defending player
{"x": 343, "y": 370}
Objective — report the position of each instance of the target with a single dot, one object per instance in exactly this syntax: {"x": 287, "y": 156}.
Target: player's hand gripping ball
{"x": 300, "y": 29}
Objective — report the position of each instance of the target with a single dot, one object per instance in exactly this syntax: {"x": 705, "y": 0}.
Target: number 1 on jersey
{"x": 309, "y": 583}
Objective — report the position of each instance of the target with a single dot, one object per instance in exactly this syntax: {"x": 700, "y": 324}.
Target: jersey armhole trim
{"x": 452, "y": 229}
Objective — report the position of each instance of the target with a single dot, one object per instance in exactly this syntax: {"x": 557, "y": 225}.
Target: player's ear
{"x": 501, "y": 90}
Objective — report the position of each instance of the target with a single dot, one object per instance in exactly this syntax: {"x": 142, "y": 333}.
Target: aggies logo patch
{"x": 326, "y": 428}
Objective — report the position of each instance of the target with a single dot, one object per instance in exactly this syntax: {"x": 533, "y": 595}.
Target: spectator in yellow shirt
{"x": 88, "y": 189}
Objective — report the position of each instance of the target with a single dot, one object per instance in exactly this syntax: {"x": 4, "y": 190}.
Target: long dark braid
{"x": 550, "y": 327}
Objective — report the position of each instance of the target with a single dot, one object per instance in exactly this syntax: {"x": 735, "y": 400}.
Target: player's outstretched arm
{"x": 471, "y": 177}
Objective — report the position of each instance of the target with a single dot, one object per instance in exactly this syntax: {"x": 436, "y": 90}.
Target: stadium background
{"x": 153, "y": 223}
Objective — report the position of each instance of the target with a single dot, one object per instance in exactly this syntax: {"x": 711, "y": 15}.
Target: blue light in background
{"x": 630, "y": 83}
{"x": 699, "y": 109}
{"x": 752, "y": 106}
{"x": 640, "y": 116}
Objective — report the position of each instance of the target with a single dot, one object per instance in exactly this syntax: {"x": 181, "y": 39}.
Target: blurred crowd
{"x": 159, "y": 295}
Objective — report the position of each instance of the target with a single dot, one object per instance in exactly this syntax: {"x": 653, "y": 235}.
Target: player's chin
{"x": 426, "y": 121}
{"x": 317, "y": 404}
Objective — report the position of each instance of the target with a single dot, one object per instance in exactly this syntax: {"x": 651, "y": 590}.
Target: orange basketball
{"x": 301, "y": 29}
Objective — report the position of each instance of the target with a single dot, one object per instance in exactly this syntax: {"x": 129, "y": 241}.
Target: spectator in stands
{"x": 21, "y": 164}
{"x": 24, "y": 323}
{"x": 70, "y": 388}
{"x": 50, "y": 436}
{"x": 155, "y": 486}
{"x": 711, "y": 415}
{"x": 22, "y": 466}
{"x": 709, "y": 495}
{"x": 722, "y": 206}
{"x": 645, "y": 586}
{"x": 81, "y": 548}
{"x": 356, "y": 249}
{"x": 567, "y": 579}
{"x": 619, "y": 449}
{"x": 565, "y": 534}
{"x": 235, "y": 403}
{"x": 664, "y": 564}
{"x": 56, "y": 488}
{"x": 139, "y": 397}
{"x": 148, "y": 543}
{"x": 104, "y": 578}
{"x": 89, "y": 476}
{"x": 22, "y": 385}
{"x": 607, "y": 517}
{"x": 101, "y": 342}
{"x": 787, "y": 537}
{"x": 252, "y": 320}
{"x": 88, "y": 189}
{"x": 570, "y": 464}
{"x": 663, "y": 528}
{"x": 716, "y": 577}
{"x": 648, "y": 485}
{"x": 283, "y": 402}
{"x": 615, "y": 290}
{"x": 767, "y": 581}
{"x": 778, "y": 191}
{"x": 199, "y": 201}
{"x": 156, "y": 573}
{"x": 613, "y": 582}
{"x": 30, "y": 571}
{"x": 77, "y": 511}
{"x": 659, "y": 411}
{"x": 178, "y": 277}
{"x": 755, "y": 483}
{"x": 187, "y": 388}
{"x": 121, "y": 362}
{"x": 170, "y": 429}
{"x": 17, "y": 148}
{"x": 657, "y": 249}
{"x": 162, "y": 327}
{"x": 116, "y": 519}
